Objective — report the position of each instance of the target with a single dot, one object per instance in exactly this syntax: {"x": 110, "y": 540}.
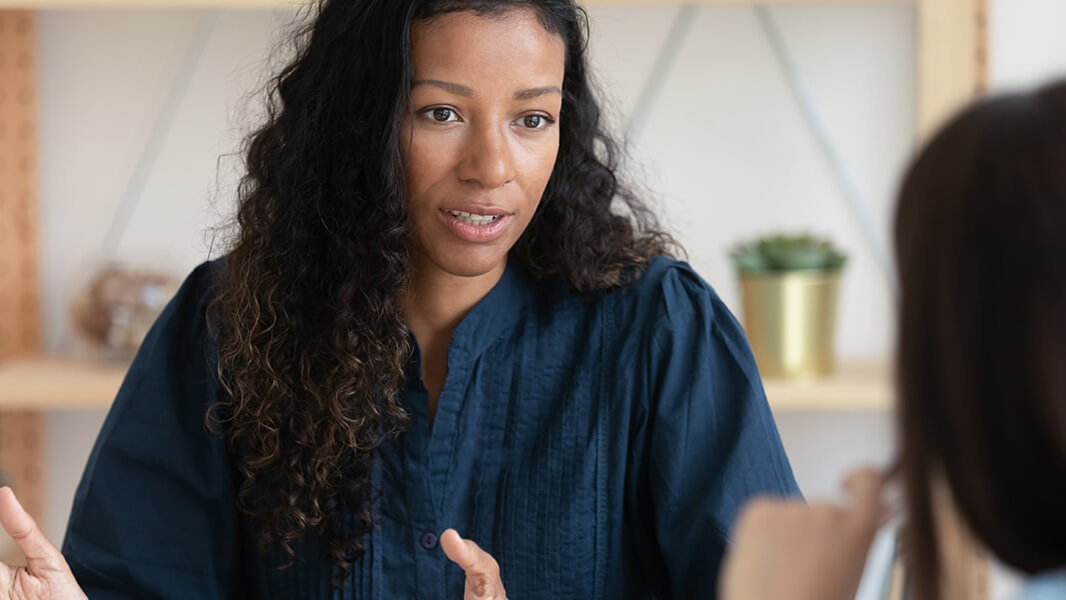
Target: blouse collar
{"x": 497, "y": 313}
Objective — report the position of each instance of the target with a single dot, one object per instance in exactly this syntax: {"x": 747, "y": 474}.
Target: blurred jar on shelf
{"x": 113, "y": 312}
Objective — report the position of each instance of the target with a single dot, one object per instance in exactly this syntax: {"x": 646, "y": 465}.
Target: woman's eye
{"x": 442, "y": 114}
{"x": 536, "y": 121}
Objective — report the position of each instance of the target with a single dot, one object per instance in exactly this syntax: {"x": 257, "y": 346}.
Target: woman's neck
{"x": 434, "y": 305}
{"x": 437, "y": 301}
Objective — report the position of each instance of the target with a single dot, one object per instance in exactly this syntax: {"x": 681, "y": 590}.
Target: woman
{"x": 980, "y": 239}
{"x": 441, "y": 310}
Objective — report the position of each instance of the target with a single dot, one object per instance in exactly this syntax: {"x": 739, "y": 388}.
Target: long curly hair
{"x": 307, "y": 315}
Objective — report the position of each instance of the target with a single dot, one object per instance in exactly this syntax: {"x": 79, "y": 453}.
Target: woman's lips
{"x": 474, "y": 209}
{"x": 472, "y": 232}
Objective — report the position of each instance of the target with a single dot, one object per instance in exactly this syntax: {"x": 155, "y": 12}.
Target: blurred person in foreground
{"x": 981, "y": 250}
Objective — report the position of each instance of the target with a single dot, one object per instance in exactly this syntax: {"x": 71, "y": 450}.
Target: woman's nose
{"x": 488, "y": 159}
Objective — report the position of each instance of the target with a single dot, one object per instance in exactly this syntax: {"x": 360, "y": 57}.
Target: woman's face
{"x": 481, "y": 136}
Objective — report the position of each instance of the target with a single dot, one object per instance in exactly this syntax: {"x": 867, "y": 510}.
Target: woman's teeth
{"x": 472, "y": 219}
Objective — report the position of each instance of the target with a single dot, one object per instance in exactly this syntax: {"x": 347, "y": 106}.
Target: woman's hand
{"x": 482, "y": 573}
{"x": 46, "y": 575}
{"x": 787, "y": 549}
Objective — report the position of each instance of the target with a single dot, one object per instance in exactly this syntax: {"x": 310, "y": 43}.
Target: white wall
{"x": 1026, "y": 41}
{"x": 104, "y": 77}
{"x": 730, "y": 153}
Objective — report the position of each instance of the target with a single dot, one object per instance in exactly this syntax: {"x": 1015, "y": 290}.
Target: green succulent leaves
{"x": 784, "y": 252}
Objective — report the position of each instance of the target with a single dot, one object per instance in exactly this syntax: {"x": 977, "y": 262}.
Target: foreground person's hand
{"x": 787, "y": 549}
{"x": 46, "y": 575}
{"x": 482, "y": 573}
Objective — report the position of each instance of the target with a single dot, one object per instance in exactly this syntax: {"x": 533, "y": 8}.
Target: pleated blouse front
{"x": 597, "y": 446}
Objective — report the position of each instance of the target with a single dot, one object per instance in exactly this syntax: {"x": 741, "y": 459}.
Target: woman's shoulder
{"x": 671, "y": 290}
{"x": 183, "y": 326}
{"x": 196, "y": 292}
{"x": 202, "y": 281}
{"x": 671, "y": 306}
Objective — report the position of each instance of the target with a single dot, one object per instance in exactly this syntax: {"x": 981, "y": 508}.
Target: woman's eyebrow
{"x": 462, "y": 90}
{"x": 455, "y": 88}
{"x": 537, "y": 92}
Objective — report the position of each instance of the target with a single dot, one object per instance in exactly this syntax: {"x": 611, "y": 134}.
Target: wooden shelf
{"x": 859, "y": 387}
{"x": 55, "y": 384}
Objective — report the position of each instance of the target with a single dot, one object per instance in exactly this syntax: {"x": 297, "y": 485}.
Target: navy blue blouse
{"x": 597, "y": 447}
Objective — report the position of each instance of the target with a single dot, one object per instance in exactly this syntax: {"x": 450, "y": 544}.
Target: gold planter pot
{"x": 790, "y": 320}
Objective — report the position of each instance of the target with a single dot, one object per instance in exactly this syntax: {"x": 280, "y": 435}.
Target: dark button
{"x": 429, "y": 540}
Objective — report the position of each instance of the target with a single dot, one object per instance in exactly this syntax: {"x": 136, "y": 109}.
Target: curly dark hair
{"x": 308, "y": 318}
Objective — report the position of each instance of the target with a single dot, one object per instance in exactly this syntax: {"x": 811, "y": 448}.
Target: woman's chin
{"x": 476, "y": 268}
{"x": 468, "y": 264}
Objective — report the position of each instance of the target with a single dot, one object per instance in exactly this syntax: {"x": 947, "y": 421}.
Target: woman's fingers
{"x": 482, "y": 572}
{"x": 46, "y": 574}
{"x": 866, "y": 488}
{"x": 456, "y": 549}
{"x": 41, "y": 555}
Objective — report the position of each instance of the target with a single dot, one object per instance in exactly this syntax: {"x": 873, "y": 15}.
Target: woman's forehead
{"x": 476, "y": 48}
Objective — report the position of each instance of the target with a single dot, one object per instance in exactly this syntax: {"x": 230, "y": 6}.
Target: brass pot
{"x": 790, "y": 320}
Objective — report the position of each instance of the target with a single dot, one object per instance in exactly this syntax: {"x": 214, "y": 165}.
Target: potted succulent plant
{"x": 790, "y": 286}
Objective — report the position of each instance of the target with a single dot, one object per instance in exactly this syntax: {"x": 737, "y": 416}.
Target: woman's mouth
{"x": 474, "y": 227}
{"x": 472, "y": 219}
